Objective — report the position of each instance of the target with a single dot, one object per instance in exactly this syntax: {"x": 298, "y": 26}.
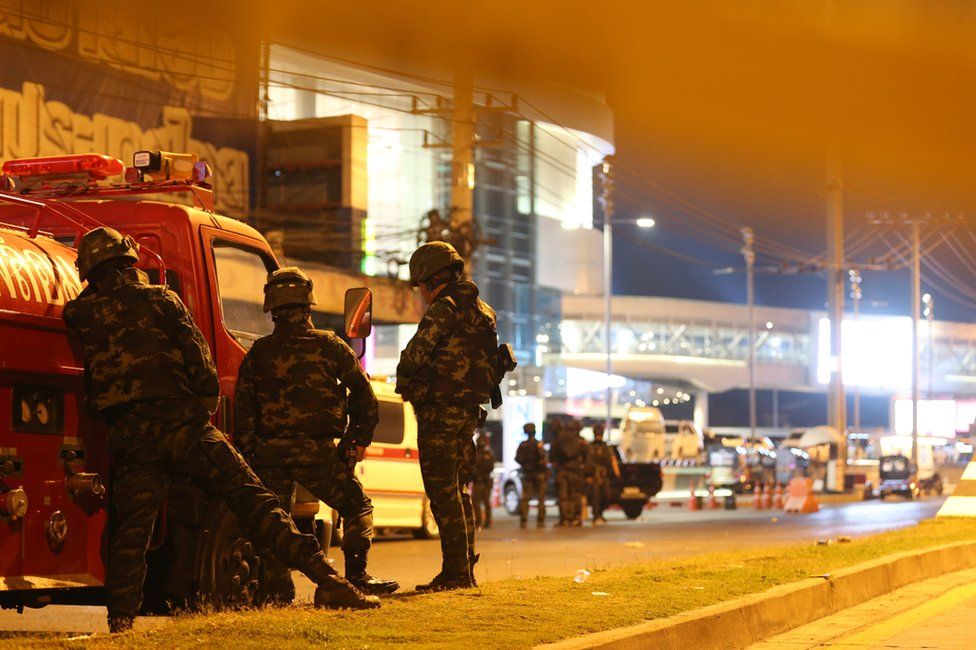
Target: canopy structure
{"x": 821, "y": 436}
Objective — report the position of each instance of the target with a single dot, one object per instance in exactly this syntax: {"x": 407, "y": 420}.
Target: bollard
{"x": 758, "y": 499}
{"x": 778, "y": 498}
{"x": 768, "y": 498}
{"x": 712, "y": 501}
{"x": 693, "y": 501}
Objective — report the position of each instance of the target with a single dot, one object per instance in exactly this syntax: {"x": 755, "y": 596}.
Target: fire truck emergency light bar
{"x": 91, "y": 165}
{"x": 166, "y": 166}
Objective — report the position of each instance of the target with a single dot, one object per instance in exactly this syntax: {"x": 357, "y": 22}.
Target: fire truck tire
{"x": 229, "y": 565}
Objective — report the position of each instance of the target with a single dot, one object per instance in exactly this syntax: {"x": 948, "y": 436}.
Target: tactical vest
{"x": 482, "y": 351}
{"x": 298, "y": 393}
{"x": 129, "y": 356}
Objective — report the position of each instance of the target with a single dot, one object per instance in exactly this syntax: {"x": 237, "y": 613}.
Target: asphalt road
{"x": 508, "y": 552}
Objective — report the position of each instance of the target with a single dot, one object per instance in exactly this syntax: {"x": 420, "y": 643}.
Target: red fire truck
{"x": 54, "y": 466}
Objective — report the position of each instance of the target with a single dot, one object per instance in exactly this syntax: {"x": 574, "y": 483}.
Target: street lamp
{"x": 644, "y": 222}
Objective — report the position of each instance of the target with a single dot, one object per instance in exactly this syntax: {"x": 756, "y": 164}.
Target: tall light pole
{"x": 750, "y": 256}
{"x": 608, "y": 280}
{"x": 606, "y": 199}
{"x": 856, "y": 295}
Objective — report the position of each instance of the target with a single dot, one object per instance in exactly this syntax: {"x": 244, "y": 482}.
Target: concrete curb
{"x": 739, "y": 623}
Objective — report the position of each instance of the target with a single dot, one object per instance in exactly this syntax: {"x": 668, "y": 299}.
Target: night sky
{"x": 725, "y": 112}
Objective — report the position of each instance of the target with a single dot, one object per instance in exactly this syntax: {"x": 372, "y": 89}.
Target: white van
{"x": 390, "y": 473}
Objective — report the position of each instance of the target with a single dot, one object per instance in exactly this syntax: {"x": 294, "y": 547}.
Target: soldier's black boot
{"x": 445, "y": 582}
{"x": 472, "y": 560}
{"x": 120, "y": 622}
{"x": 357, "y": 576}
{"x": 333, "y": 591}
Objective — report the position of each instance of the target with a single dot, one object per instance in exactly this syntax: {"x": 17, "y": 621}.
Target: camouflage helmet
{"x": 288, "y": 286}
{"x": 101, "y": 245}
{"x": 432, "y": 258}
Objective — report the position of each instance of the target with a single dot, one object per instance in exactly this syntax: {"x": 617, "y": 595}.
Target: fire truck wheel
{"x": 428, "y": 527}
{"x": 229, "y": 565}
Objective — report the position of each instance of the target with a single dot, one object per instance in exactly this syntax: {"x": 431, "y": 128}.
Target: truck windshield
{"x": 241, "y": 274}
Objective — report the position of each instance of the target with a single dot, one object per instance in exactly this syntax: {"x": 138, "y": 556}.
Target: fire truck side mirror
{"x": 358, "y": 314}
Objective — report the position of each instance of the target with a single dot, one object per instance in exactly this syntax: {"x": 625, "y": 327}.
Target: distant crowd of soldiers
{"x": 584, "y": 471}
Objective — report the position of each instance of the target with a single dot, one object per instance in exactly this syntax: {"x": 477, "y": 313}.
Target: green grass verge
{"x": 522, "y": 613}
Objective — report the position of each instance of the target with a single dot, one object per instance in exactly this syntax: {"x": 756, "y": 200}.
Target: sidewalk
{"x": 935, "y": 613}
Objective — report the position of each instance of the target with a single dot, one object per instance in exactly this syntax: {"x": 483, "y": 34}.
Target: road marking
{"x": 877, "y": 634}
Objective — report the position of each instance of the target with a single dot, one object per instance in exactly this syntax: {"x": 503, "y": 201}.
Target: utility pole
{"x": 836, "y": 400}
{"x": 915, "y": 223}
{"x": 750, "y": 256}
{"x": 462, "y": 155}
{"x": 929, "y": 313}
{"x": 916, "y": 316}
{"x": 607, "y": 201}
{"x": 856, "y": 295}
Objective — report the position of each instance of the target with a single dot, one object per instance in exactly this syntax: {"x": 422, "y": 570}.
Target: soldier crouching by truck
{"x": 298, "y": 390}
{"x": 149, "y": 373}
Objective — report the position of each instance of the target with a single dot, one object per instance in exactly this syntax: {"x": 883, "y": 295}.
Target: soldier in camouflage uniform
{"x": 602, "y": 468}
{"x": 483, "y": 482}
{"x": 447, "y": 372}
{"x": 298, "y": 390}
{"x": 149, "y": 373}
{"x": 531, "y": 456}
{"x": 568, "y": 455}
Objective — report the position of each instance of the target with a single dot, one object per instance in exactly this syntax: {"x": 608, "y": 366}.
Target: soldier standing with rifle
{"x": 299, "y": 389}
{"x": 602, "y": 466}
{"x": 483, "y": 482}
{"x": 531, "y": 456}
{"x": 449, "y": 369}
{"x": 149, "y": 374}
{"x": 568, "y": 456}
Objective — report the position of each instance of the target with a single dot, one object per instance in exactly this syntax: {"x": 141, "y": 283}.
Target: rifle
{"x": 506, "y": 362}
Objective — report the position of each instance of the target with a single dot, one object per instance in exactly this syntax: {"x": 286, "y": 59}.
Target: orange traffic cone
{"x": 693, "y": 501}
{"x": 758, "y": 502}
{"x": 778, "y": 498}
{"x": 768, "y": 498}
{"x": 713, "y": 503}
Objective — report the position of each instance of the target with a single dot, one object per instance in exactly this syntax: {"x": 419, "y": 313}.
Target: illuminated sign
{"x": 877, "y": 352}
{"x": 942, "y": 417}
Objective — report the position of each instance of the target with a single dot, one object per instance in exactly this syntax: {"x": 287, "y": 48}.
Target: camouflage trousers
{"x": 481, "y": 501}
{"x": 176, "y": 438}
{"x": 599, "y": 495}
{"x": 339, "y": 488}
{"x": 570, "y": 485}
{"x": 533, "y": 487}
{"x": 447, "y": 459}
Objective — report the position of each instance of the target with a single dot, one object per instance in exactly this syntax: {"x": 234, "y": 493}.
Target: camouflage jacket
{"x": 453, "y": 356}
{"x": 140, "y": 343}
{"x": 297, "y": 390}
{"x": 569, "y": 451}
{"x": 599, "y": 459}
{"x": 484, "y": 465}
{"x": 531, "y": 455}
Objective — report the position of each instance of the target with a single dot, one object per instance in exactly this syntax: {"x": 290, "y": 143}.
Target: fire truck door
{"x": 238, "y": 267}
